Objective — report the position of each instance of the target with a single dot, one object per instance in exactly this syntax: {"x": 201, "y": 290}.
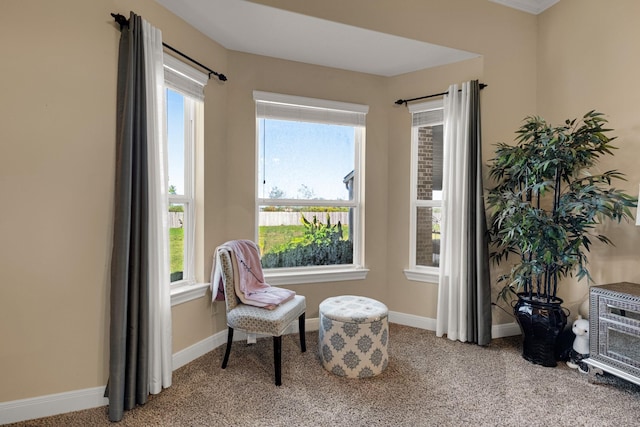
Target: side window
{"x": 426, "y": 189}
{"x": 180, "y": 154}
{"x": 184, "y": 93}
{"x": 309, "y": 182}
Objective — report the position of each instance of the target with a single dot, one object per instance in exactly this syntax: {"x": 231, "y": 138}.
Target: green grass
{"x": 276, "y": 235}
{"x": 176, "y": 248}
{"x": 273, "y": 236}
{"x": 270, "y": 237}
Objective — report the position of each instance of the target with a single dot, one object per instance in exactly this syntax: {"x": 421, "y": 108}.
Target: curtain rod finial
{"x": 220, "y": 77}
{"x": 401, "y": 101}
{"x": 120, "y": 19}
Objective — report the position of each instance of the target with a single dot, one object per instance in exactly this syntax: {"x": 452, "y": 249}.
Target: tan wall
{"x": 595, "y": 66}
{"x": 57, "y": 156}
{"x": 408, "y": 296}
{"x": 505, "y": 38}
{"x": 252, "y": 72}
{"x": 57, "y": 152}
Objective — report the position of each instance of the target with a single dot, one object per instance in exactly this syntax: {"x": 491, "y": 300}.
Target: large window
{"x": 426, "y": 190}
{"x": 309, "y": 186}
{"x": 183, "y": 99}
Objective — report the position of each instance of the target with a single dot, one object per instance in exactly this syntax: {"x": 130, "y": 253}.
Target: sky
{"x": 175, "y": 136}
{"x": 296, "y": 154}
{"x": 302, "y": 160}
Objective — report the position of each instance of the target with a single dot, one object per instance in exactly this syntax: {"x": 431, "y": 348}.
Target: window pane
{"x": 429, "y": 163}
{"x": 176, "y": 240}
{"x": 304, "y": 236}
{"x": 428, "y": 236}
{"x": 301, "y": 160}
{"x": 175, "y": 141}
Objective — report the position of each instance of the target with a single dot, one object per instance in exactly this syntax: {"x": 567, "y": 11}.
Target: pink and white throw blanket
{"x": 250, "y": 286}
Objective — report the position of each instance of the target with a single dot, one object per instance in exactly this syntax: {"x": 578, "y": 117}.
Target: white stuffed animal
{"x": 580, "y": 349}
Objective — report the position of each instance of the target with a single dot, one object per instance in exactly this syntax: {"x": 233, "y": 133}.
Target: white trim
{"x": 185, "y": 70}
{"x": 278, "y": 98}
{"x": 193, "y": 120}
{"x": 358, "y": 226}
{"x": 505, "y": 330}
{"x": 423, "y": 275}
{"x": 198, "y": 349}
{"x": 187, "y": 292}
{"x": 426, "y": 106}
{"x": 497, "y": 331}
{"x": 412, "y": 320}
{"x": 308, "y": 202}
{"x": 356, "y": 203}
{"x": 638, "y": 209}
{"x": 53, "y": 404}
{"x": 303, "y": 275}
{"x": 184, "y": 78}
{"x": 416, "y": 272}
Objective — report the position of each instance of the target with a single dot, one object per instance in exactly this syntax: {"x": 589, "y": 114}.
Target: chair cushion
{"x": 262, "y": 321}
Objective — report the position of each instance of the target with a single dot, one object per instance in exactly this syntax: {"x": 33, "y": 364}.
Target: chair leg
{"x": 228, "y": 350}
{"x": 277, "y": 358}
{"x": 303, "y": 340}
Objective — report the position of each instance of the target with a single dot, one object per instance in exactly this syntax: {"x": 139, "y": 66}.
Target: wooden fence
{"x": 293, "y": 218}
{"x": 176, "y": 219}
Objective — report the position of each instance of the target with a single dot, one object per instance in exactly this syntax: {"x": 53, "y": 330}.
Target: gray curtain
{"x": 479, "y": 284}
{"x": 128, "y": 359}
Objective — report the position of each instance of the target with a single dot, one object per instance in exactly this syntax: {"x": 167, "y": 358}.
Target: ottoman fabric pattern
{"x": 353, "y": 336}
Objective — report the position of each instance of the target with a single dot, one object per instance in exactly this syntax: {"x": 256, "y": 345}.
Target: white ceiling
{"x": 532, "y": 6}
{"x": 262, "y": 30}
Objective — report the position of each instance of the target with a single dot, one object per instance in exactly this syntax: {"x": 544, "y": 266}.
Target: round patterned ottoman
{"x": 353, "y": 336}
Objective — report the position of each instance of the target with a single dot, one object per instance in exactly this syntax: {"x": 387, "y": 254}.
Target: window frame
{"x": 283, "y": 107}
{"x": 187, "y": 199}
{"x": 190, "y": 83}
{"x": 420, "y": 273}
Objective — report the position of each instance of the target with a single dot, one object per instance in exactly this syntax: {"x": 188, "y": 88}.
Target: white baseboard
{"x": 412, "y": 320}
{"x": 497, "y": 331}
{"x": 53, "y": 404}
{"x": 505, "y": 330}
{"x": 198, "y": 349}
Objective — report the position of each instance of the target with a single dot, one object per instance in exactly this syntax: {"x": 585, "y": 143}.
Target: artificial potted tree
{"x": 544, "y": 210}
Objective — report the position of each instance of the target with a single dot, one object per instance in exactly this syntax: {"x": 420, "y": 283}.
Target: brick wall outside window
{"x": 424, "y": 239}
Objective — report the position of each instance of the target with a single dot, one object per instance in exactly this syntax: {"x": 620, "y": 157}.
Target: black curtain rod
{"x": 405, "y": 101}
{"x": 124, "y": 22}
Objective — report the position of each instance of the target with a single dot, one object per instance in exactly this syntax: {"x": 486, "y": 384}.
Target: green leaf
{"x": 546, "y": 202}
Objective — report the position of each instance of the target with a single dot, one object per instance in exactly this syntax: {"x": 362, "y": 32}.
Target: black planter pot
{"x": 541, "y": 323}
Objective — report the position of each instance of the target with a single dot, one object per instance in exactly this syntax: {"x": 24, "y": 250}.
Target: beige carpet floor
{"x": 429, "y": 382}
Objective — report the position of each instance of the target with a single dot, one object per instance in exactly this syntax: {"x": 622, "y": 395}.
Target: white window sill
{"x": 423, "y": 275}
{"x": 182, "y": 293}
{"x": 297, "y": 276}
